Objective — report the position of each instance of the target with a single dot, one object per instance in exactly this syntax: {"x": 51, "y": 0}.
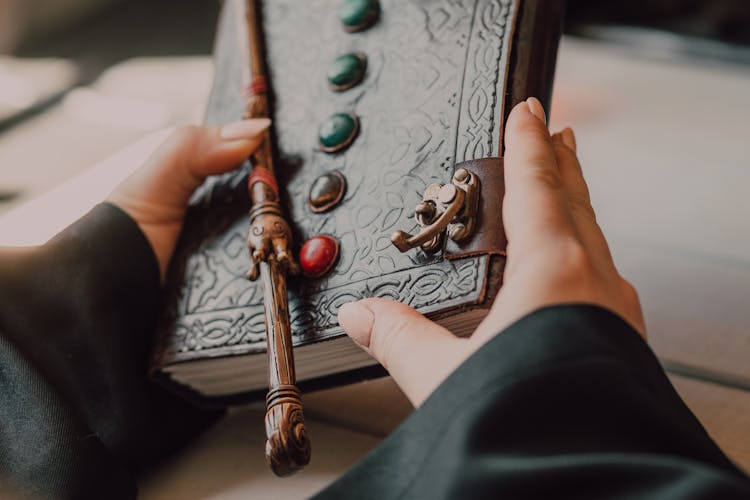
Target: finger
{"x": 219, "y": 149}
{"x": 579, "y": 200}
{"x": 571, "y": 173}
{"x": 418, "y": 353}
{"x": 535, "y": 209}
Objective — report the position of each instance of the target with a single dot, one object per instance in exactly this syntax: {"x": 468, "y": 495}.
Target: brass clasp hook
{"x": 450, "y": 208}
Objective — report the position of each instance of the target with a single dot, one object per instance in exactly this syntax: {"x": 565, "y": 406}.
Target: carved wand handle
{"x": 269, "y": 243}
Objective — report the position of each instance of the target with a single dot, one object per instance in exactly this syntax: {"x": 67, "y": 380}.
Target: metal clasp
{"x": 445, "y": 208}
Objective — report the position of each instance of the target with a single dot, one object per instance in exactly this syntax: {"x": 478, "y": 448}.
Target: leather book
{"x": 440, "y": 77}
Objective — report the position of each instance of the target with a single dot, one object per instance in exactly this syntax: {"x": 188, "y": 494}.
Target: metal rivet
{"x": 447, "y": 193}
{"x": 461, "y": 175}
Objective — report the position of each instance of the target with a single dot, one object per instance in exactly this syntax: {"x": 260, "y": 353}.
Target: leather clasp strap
{"x": 489, "y": 236}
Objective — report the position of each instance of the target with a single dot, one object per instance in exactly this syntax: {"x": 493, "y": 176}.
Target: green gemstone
{"x": 359, "y": 14}
{"x": 337, "y": 132}
{"x": 347, "y": 71}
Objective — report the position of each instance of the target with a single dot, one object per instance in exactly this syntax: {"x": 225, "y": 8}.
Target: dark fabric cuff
{"x": 109, "y": 249}
{"x": 553, "y": 336}
{"x": 83, "y": 310}
{"x": 570, "y": 342}
{"x": 568, "y": 380}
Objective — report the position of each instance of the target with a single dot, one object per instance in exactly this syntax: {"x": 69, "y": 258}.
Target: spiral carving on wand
{"x": 287, "y": 445}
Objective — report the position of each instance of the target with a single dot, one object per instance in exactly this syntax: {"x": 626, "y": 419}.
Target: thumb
{"x": 418, "y": 353}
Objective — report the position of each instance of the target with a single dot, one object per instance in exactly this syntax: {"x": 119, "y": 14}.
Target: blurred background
{"x": 657, "y": 91}
{"x": 81, "y": 78}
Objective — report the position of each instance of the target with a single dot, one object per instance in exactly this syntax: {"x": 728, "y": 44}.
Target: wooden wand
{"x": 269, "y": 242}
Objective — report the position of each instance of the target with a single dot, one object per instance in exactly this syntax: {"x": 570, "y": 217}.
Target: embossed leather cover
{"x": 441, "y": 77}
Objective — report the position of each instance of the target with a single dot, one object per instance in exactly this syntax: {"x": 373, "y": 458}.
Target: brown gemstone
{"x": 327, "y": 191}
{"x": 318, "y": 255}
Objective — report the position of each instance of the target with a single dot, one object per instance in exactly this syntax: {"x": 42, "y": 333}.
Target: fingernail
{"x": 357, "y": 321}
{"x": 536, "y": 108}
{"x": 245, "y": 129}
{"x": 569, "y": 138}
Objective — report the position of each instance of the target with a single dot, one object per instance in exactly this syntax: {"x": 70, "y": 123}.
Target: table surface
{"x": 663, "y": 147}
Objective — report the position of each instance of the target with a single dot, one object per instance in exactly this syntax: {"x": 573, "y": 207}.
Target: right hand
{"x": 557, "y": 254}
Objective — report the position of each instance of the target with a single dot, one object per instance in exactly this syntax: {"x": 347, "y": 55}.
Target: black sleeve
{"x": 78, "y": 413}
{"x": 568, "y": 402}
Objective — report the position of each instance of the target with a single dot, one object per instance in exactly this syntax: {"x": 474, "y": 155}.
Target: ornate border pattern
{"x": 429, "y": 100}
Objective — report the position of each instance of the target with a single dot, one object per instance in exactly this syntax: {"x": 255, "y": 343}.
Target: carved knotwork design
{"x": 238, "y": 328}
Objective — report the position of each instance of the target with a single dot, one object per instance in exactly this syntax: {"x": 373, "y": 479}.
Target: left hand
{"x": 156, "y": 195}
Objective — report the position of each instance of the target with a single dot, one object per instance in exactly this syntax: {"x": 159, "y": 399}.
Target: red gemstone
{"x": 318, "y": 255}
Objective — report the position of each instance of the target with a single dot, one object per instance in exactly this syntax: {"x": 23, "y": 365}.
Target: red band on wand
{"x": 256, "y": 87}
{"x": 260, "y": 174}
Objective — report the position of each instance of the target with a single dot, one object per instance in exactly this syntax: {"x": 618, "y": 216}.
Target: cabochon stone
{"x": 358, "y": 15}
{"x": 347, "y": 71}
{"x": 337, "y": 132}
{"x": 326, "y": 191}
{"x": 318, "y": 255}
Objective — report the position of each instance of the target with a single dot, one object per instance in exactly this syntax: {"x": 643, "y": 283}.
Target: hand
{"x": 557, "y": 254}
{"x": 156, "y": 195}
